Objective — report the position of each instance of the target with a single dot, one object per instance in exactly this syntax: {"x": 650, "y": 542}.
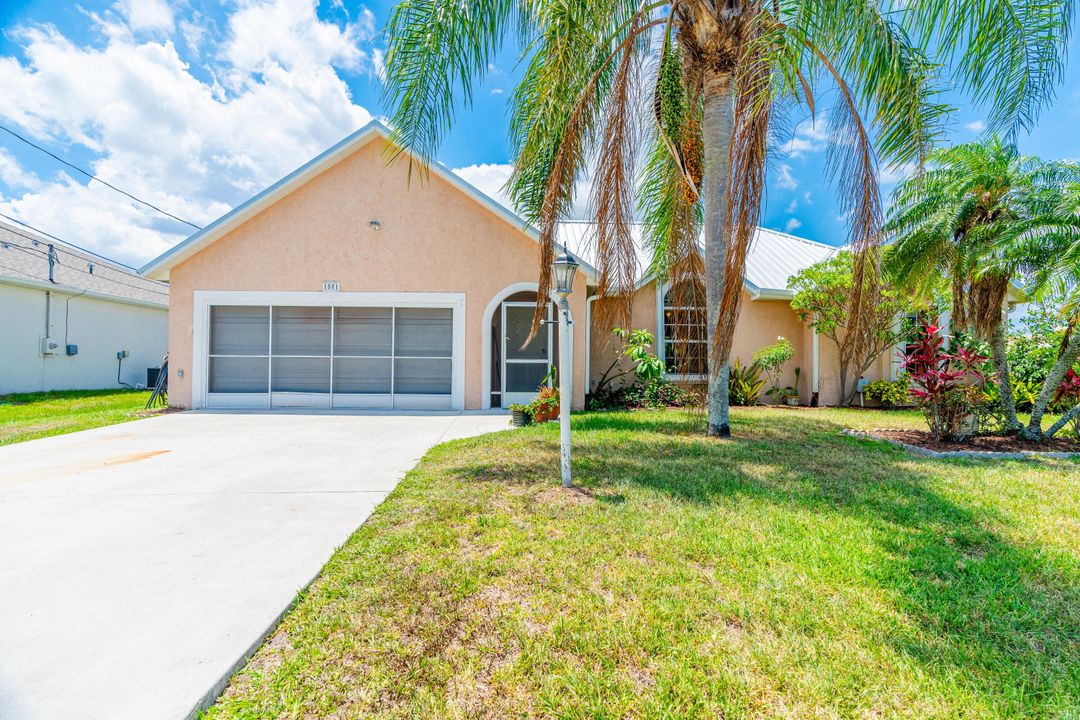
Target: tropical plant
{"x": 890, "y": 393}
{"x": 947, "y": 387}
{"x": 645, "y": 364}
{"x": 718, "y": 71}
{"x": 823, "y": 300}
{"x": 545, "y": 406}
{"x": 968, "y": 220}
{"x": 745, "y": 384}
{"x": 772, "y": 359}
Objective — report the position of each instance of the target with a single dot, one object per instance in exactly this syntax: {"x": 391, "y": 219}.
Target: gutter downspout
{"x": 815, "y": 375}
{"x": 588, "y": 347}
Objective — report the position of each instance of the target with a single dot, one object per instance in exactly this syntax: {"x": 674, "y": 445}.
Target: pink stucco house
{"x": 346, "y": 285}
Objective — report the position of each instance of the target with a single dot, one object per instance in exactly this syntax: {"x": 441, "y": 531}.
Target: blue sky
{"x": 195, "y": 106}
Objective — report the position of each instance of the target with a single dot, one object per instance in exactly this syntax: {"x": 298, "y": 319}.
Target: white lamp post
{"x": 565, "y": 267}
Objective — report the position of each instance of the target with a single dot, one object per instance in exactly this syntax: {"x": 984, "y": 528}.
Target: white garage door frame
{"x": 204, "y": 299}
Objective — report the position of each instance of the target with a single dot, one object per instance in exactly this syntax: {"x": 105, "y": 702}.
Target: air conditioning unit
{"x": 49, "y": 346}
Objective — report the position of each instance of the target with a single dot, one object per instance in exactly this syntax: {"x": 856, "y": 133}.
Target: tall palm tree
{"x": 970, "y": 219}
{"x": 697, "y": 82}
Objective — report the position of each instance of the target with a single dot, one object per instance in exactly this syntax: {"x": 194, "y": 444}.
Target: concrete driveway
{"x": 140, "y": 562}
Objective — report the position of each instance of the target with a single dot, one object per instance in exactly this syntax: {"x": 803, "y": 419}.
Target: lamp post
{"x": 565, "y": 267}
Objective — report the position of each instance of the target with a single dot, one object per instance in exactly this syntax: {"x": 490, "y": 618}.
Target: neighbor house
{"x": 347, "y": 285}
{"x": 72, "y": 320}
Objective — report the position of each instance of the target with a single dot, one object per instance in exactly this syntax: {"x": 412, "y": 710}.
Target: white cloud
{"x": 792, "y": 206}
{"x": 810, "y": 136}
{"x": 785, "y": 179}
{"x": 496, "y": 91}
{"x": 12, "y": 175}
{"x": 154, "y": 15}
{"x": 194, "y": 147}
{"x": 976, "y": 126}
{"x": 490, "y": 179}
{"x": 792, "y": 225}
{"x": 808, "y": 197}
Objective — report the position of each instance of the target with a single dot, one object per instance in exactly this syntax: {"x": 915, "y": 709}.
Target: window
{"x": 685, "y": 350}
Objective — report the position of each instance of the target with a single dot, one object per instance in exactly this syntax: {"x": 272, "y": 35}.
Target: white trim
{"x": 588, "y": 343}
{"x": 69, "y": 290}
{"x": 485, "y": 331}
{"x": 203, "y": 299}
{"x": 159, "y": 267}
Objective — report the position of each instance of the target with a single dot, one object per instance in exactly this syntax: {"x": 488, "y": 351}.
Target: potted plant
{"x": 519, "y": 415}
{"x": 791, "y": 396}
{"x": 545, "y": 406}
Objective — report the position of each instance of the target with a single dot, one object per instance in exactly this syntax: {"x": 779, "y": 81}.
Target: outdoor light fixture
{"x": 565, "y": 267}
{"x": 374, "y": 225}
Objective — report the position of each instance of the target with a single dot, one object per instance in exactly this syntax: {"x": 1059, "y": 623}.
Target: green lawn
{"x": 34, "y": 415}
{"x": 790, "y": 572}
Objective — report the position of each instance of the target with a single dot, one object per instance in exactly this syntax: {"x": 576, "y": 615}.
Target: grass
{"x": 34, "y": 415}
{"x": 790, "y": 572}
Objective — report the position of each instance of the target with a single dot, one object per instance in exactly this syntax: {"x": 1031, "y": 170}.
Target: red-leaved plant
{"x": 946, "y": 386}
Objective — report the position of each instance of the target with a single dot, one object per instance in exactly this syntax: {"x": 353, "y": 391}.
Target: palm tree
{"x": 1052, "y": 241}
{"x": 970, "y": 219}
{"x": 697, "y": 83}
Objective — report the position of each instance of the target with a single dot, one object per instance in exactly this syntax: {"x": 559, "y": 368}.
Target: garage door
{"x": 330, "y": 356}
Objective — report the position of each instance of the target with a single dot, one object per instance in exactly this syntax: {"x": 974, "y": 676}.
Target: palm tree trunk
{"x": 717, "y": 127}
{"x": 1000, "y": 359}
{"x": 1046, "y": 394}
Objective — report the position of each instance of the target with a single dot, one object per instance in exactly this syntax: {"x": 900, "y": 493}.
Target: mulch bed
{"x": 980, "y": 443}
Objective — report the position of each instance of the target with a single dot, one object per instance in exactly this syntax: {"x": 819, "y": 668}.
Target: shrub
{"x": 771, "y": 359}
{"x": 890, "y": 393}
{"x": 744, "y": 384}
{"x": 659, "y": 394}
{"x": 947, "y": 387}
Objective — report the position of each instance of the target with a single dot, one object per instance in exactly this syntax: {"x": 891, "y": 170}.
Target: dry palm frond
{"x": 613, "y": 193}
{"x": 852, "y": 164}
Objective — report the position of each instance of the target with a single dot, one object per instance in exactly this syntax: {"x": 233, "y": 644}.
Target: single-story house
{"x": 72, "y": 320}
{"x": 347, "y": 285}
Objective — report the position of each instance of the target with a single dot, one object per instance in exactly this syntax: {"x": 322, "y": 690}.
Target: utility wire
{"x": 86, "y": 272}
{"x": 34, "y": 252}
{"x": 62, "y": 242}
{"x": 90, "y": 175}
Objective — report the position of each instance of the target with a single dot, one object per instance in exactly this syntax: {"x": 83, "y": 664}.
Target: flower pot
{"x": 543, "y": 414}
{"x": 519, "y": 418}
{"x": 793, "y": 401}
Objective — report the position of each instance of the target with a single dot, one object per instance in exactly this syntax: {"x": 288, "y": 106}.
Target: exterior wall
{"x": 100, "y": 328}
{"x": 432, "y": 238}
{"x": 760, "y": 323}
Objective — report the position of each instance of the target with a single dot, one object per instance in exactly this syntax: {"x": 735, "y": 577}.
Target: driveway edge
{"x": 211, "y": 696}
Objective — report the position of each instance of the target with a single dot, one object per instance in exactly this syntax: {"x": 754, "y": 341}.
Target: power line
{"x": 62, "y": 242}
{"x": 100, "y": 277}
{"x": 41, "y": 254}
{"x": 95, "y": 177}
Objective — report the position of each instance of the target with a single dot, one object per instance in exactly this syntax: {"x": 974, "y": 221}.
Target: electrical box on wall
{"x": 49, "y": 346}
{"x": 72, "y": 349}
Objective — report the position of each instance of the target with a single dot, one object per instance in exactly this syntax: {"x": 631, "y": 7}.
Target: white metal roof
{"x": 773, "y": 258}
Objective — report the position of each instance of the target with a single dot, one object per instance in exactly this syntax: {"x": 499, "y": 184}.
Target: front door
{"x": 524, "y": 368}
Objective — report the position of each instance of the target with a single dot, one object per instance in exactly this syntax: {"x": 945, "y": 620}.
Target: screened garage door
{"x": 342, "y": 357}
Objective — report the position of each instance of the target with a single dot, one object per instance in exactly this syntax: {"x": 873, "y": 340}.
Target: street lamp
{"x": 565, "y": 267}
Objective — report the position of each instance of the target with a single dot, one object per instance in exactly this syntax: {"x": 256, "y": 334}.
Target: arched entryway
{"x": 512, "y": 369}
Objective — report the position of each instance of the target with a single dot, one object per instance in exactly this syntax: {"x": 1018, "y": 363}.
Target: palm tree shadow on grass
{"x": 1002, "y": 616}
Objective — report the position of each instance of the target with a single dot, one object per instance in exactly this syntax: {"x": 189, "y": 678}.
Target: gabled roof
{"x": 159, "y": 267}
{"x": 773, "y": 258}
{"x": 24, "y": 260}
